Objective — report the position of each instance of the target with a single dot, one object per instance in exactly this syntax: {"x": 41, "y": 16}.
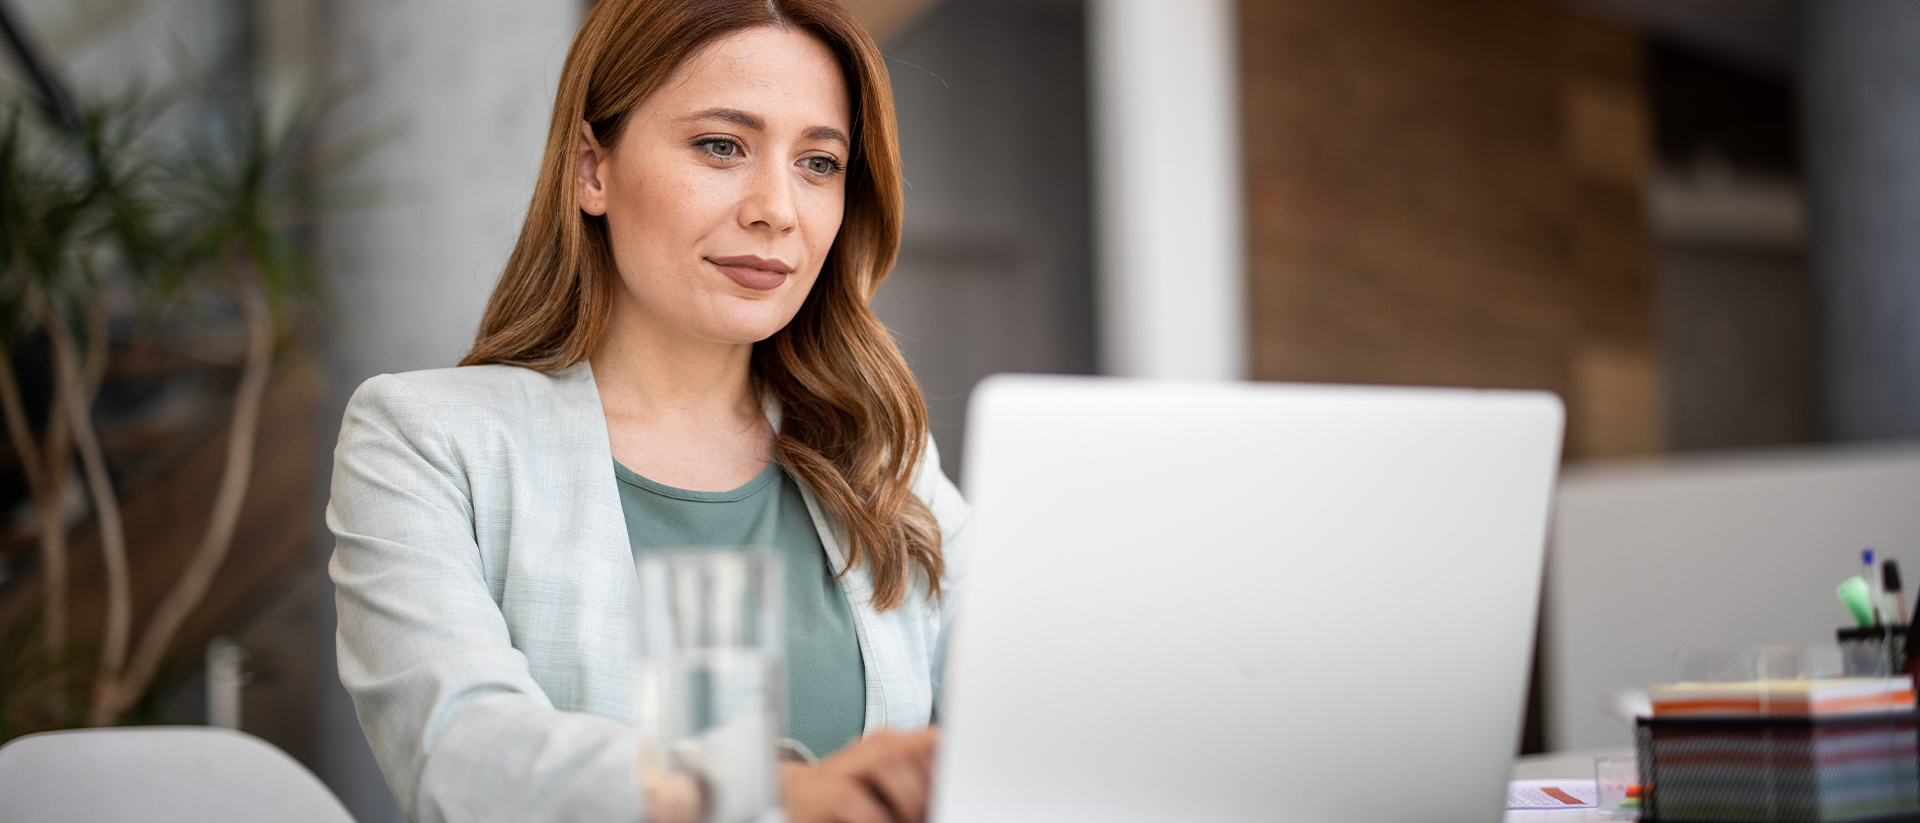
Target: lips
{"x": 757, "y": 273}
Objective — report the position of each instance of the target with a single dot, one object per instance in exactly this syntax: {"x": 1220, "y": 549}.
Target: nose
{"x": 769, "y": 202}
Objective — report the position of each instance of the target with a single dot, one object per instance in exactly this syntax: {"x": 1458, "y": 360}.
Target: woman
{"x": 679, "y": 352}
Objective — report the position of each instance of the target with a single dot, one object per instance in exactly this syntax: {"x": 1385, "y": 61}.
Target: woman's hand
{"x": 674, "y": 797}
{"x": 883, "y": 778}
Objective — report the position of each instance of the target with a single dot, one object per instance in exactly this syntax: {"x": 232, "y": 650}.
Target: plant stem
{"x": 70, "y": 380}
{"x": 53, "y": 533}
{"x": 59, "y": 463}
{"x": 96, "y": 356}
{"x": 191, "y": 588}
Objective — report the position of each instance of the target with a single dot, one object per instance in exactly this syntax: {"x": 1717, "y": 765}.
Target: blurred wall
{"x": 1707, "y": 552}
{"x": 1735, "y": 295}
{"x": 1451, "y": 194}
{"x": 458, "y": 95}
{"x": 995, "y": 271}
{"x": 1861, "y": 76}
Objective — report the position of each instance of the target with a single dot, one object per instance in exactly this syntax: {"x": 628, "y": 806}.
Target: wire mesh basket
{"x": 1779, "y": 769}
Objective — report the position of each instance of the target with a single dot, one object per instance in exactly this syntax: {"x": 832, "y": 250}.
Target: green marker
{"x": 1858, "y": 599}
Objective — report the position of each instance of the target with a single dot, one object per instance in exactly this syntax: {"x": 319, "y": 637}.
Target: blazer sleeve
{"x": 459, "y": 726}
{"x": 952, "y": 512}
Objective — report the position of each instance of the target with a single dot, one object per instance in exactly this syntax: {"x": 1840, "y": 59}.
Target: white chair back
{"x": 158, "y": 774}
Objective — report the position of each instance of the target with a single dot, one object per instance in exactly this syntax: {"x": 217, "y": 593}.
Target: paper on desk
{"x": 1570, "y": 814}
{"x": 1551, "y": 794}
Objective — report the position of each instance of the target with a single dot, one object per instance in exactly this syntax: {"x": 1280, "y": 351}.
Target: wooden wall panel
{"x": 1449, "y": 193}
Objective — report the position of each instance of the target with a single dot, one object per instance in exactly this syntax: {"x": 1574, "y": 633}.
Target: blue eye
{"x": 823, "y": 166}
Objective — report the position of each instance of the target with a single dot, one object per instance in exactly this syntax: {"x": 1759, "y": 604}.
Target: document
{"x": 1551, "y": 794}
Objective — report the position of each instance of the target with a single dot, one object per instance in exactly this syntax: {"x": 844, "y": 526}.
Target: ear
{"x": 592, "y": 192}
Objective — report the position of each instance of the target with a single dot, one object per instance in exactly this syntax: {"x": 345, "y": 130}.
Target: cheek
{"x": 823, "y": 219}
{"x": 663, "y": 213}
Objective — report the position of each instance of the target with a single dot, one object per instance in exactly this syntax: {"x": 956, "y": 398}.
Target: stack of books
{"x": 1838, "y": 750}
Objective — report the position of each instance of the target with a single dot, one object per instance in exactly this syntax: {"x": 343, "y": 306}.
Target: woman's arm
{"x": 459, "y": 727}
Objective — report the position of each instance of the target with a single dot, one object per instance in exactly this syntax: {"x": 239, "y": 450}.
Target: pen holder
{"x": 1873, "y": 651}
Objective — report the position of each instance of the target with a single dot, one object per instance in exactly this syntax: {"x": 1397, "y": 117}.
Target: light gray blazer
{"x": 487, "y": 596}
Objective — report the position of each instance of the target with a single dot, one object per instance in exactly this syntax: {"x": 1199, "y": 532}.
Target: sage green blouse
{"x": 826, "y": 680}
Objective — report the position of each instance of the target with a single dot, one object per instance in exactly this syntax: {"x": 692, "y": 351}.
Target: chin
{"x": 736, "y": 321}
{"x": 747, "y": 330}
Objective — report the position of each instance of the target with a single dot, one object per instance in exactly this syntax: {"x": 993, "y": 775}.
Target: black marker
{"x": 1896, "y": 601}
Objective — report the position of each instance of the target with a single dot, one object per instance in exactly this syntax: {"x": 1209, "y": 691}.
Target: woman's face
{"x": 725, "y": 188}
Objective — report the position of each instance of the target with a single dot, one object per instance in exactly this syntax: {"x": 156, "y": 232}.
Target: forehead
{"x": 786, "y": 76}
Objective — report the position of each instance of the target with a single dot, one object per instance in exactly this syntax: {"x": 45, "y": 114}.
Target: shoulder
{"x": 467, "y": 390}
{"x": 468, "y": 399}
{"x": 466, "y": 385}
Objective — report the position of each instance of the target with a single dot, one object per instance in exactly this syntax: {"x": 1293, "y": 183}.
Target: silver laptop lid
{"x": 1237, "y": 601}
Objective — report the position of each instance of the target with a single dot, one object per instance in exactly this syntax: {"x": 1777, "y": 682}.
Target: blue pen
{"x": 1873, "y": 583}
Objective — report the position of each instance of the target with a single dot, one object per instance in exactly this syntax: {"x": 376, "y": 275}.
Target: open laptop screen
{"x": 1237, "y": 601}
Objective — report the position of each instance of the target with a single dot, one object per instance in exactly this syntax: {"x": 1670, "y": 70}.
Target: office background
{"x": 1695, "y": 221}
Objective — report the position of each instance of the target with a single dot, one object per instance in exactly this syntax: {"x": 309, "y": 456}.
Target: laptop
{"x": 1241, "y": 601}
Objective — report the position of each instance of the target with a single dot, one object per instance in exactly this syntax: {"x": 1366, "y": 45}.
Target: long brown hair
{"x": 853, "y": 423}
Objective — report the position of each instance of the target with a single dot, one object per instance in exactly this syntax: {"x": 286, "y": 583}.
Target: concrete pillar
{"x": 1861, "y": 88}
{"x": 1169, "y": 188}
{"x": 461, "y": 92}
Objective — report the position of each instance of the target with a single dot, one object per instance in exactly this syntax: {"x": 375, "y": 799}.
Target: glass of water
{"x": 710, "y": 690}
{"x": 1616, "y": 780}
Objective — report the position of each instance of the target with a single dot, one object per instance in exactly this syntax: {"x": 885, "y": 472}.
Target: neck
{"x": 680, "y": 410}
{"x": 670, "y": 379}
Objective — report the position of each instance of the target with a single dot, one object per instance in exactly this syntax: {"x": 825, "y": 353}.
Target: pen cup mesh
{"x": 1876, "y": 651}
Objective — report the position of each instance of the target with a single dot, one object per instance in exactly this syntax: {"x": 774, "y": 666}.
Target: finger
{"x": 916, "y": 747}
{"x": 863, "y": 753}
{"x": 676, "y": 797}
{"x": 926, "y": 743}
{"x": 855, "y": 804}
{"x": 890, "y": 743}
{"x": 902, "y": 782}
{"x": 918, "y": 739}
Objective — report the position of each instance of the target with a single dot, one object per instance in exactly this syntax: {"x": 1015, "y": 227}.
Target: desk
{"x": 1569, "y": 765}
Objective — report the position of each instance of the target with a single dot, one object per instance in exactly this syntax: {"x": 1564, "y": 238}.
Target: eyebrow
{"x": 828, "y": 133}
{"x": 734, "y": 116}
{"x": 750, "y": 121}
